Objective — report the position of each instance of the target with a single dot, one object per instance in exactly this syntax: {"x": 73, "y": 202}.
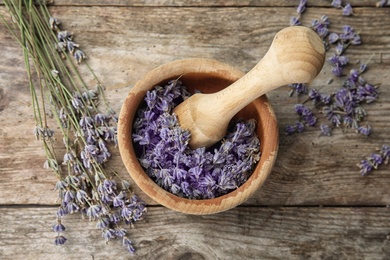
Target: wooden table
{"x": 315, "y": 204}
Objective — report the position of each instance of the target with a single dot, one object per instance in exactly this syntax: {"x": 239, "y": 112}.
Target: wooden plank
{"x": 243, "y": 233}
{"x": 124, "y": 43}
{"x": 209, "y": 3}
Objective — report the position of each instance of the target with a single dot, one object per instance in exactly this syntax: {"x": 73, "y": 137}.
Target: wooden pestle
{"x": 296, "y": 55}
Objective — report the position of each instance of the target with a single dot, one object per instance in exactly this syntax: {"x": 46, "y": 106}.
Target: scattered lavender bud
{"x": 128, "y": 245}
{"x": 326, "y": 130}
{"x": 60, "y": 240}
{"x": 294, "y": 21}
{"x": 347, "y": 10}
{"x": 365, "y": 130}
{"x": 374, "y": 160}
{"x": 333, "y": 37}
{"x": 301, "y": 7}
{"x": 381, "y": 3}
{"x": 385, "y": 151}
{"x": 365, "y": 167}
{"x": 290, "y": 130}
{"x": 336, "y": 3}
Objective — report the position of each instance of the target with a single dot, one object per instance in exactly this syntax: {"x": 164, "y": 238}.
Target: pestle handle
{"x": 296, "y": 55}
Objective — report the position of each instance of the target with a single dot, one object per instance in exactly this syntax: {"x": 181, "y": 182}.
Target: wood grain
{"x": 123, "y": 43}
{"x": 244, "y": 233}
{"x": 209, "y": 3}
{"x": 124, "y": 40}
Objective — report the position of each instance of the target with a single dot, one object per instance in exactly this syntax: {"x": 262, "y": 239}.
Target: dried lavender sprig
{"x": 373, "y": 161}
{"x": 71, "y": 188}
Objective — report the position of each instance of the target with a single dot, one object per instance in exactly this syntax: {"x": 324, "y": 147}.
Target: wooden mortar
{"x": 208, "y": 76}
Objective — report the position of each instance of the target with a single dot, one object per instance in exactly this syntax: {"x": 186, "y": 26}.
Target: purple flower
{"x": 290, "y": 130}
{"x": 69, "y": 196}
{"x": 108, "y": 234}
{"x": 119, "y": 200}
{"x": 77, "y": 103}
{"x": 306, "y": 114}
{"x": 294, "y": 21}
{"x": 336, "y": 3}
{"x": 103, "y": 222}
{"x": 365, "y": 167}
{"x": 58, "y": 227}
{"x": 365, "y": 130}
{"x": 128, "y": 245}
{"x": 114, "y": 218}
{"x": 94, "y": 211}
{"x": 333, "y": 37}
{"x": 326, "y": 130}
{"x": 100, "y": 119}
{"x": 79, "y": 56}
{"x": 61, "y": 212}
{"x": 376, "y": 160}
{"x": 337, "y": 71}
{"x": 347, "y": 10}
{"x": 300, "y": 88}
{"x": 385, "y": 151}
{"x": 301, "y": 7}
{"x": 60, "y": 240}
{"x": 300, "y": 127}
{"x": 72, "y": 207}
{"x": 81, "y": 196}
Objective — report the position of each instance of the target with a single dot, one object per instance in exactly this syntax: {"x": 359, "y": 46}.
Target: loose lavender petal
{"x": 347, "y": 10}
{"x": 365, "y": 130}
{"x": 301, "y": 7}
{"x": 60, "y": 240}
{"x": 294, "y": 21}
{"x": 326, "y": 130}
{"x": 333, "y": 37}
{"x": 336, "y": 3}
{"x": 365, "y": 167}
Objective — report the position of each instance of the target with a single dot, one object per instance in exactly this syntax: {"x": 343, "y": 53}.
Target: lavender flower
{"x": 326, "y": 130}
{"x": 168, "y": 160}
{"x": 294, "y": 21}
{"x": 60, "y": 240}
{"x": 302, "y": 6}
{"x": 365, "y": 167}
{"x": 336, "y": 3}
{"x": 385, "y": 151}
{"x": 365, "y": 130}
{"x": 79, "y": 56}
{"x": 58, "y": 227}
{"x": 347, "y": 10}
{"x": 374, "y": 160}
{"x": 300, "y": 88}
{"x": 128, "y": 245}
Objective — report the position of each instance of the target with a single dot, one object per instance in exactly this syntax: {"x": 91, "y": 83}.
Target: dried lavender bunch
{"x": 84, "y": 184}
{"x": 195, "y": 174}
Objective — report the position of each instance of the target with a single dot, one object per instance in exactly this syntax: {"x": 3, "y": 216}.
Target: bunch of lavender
{"x": 374, "y": 160}
{"x": 84, "y": 185}
{"x": 168, "y": 160}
